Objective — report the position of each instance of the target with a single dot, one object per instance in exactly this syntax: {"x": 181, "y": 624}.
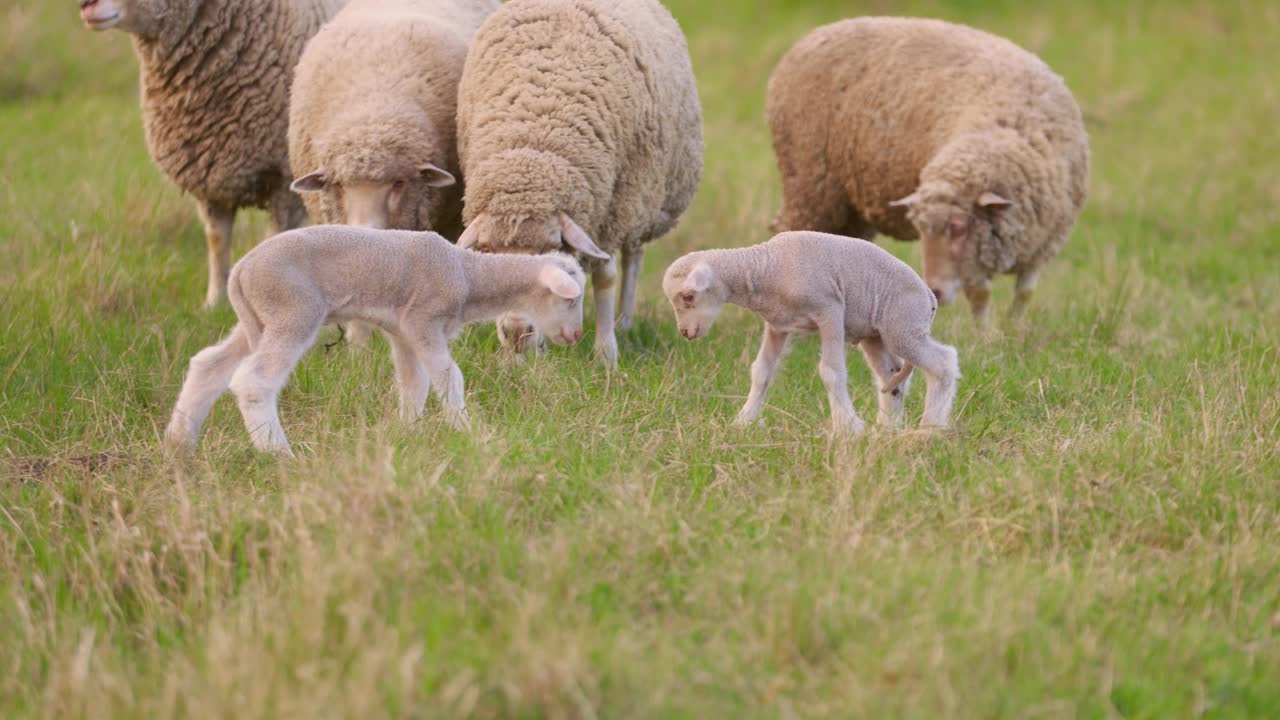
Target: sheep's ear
{"x": 907, "y": 201}
{"x": 577, "y": 238}
{"x": 313, "y": 182}
{"x": 435, "y": 177}
{"x": 559, "y": 282}
{"x": 992, "y": 200}
{"x": 699, "y": 278}
{"x": 471, "y": 235}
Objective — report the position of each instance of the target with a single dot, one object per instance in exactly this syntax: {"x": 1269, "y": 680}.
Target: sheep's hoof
{"x": 852, "y": 428}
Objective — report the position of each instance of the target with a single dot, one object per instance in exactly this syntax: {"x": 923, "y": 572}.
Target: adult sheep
{"x": 372, "y": 120}
{"x": 215, "y": 103}
{"x": 579, "y": 128}
{"x": 921, "y": 128}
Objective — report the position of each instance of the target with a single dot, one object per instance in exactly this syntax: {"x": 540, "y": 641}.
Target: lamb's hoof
{"x": 852, "y": 428}
{"x": 742, "y": 422}
{"x": 459, "y": 419}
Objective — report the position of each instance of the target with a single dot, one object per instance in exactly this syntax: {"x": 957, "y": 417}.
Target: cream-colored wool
{"x": 586, "y": 108}
{"x": 416, "y": 286}
{"x": 372, "y": 125}
{"x": 849, "y": 292}
{"x": 921, "y": 128}
{"x": 215, "y": 103}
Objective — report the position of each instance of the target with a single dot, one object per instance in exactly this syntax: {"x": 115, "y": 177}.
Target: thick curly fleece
{"x": 375, "y": 100}
{"x": 588, "y": 107}
{"x": 215, "y": 92}
{"x": 868, "y": 112}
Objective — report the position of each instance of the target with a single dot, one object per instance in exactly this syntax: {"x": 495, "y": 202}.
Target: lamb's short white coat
{"x": 846, "y": 290}
{"x": 416, "y": 286}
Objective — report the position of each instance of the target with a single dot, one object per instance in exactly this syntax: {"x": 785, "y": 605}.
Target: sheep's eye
{"x": 398, "y": 185}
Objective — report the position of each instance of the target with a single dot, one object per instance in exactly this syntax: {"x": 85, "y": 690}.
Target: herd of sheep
{"x": 476, "y": 161}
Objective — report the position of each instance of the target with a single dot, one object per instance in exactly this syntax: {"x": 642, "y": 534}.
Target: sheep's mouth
{"x": 93, "y": 20}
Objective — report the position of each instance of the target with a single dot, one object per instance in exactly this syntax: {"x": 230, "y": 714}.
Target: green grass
{"x": 1100, "y": 537}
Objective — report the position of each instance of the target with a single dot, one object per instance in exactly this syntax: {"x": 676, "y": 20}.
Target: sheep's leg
{"x": 602, "y": 282}
{"x": 286, "y": 212}
{"x": 762, "y": 372}
{"x": 632, "y": 261}
{"x": 980, "y": 304}
{"x": 258, "y": 381}
{"x": 1025, "y": 288}
{"x": 941, "y": 367}
{"x": 411, "y": 377}
{"x": 835, "y": 375}
{"x": 446, "y": 379}
{"x": 219, "y": 222}
{"x": 209, "y": 374}
{"x": 885, "y": 367}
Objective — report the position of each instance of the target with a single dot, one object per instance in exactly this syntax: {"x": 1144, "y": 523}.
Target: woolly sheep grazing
{"x": 921, "y": 128}
{"x": 215, "y": 103}
{"x": 417, "y": 287}
{"x": 373, "y": 115}
{"x": 844, "y": 289}
{"x": 579, "y": 128}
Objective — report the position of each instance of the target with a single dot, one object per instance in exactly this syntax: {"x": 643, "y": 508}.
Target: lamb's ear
{"x": 313, "y": 182}
{"x": 559, "y": 282}
{"x": 992, "y": 200}
{"x": 699, "y": 278}
{"x": 436, "y": 177}
{"x": 471, "y": 235}
{"x": 907, "y": 201}
{"x": 577, "y": 238}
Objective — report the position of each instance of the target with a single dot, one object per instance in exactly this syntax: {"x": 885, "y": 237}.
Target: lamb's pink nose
{"x": 685, "y": 332}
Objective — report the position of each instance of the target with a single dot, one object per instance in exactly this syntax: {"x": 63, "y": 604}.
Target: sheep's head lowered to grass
{"x": 555, "y": 232}
{"x": 696, "y": 295}
{"x": 965, "y": 240}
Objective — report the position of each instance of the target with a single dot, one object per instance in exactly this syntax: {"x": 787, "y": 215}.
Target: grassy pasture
{"x": 1100, "y": 536}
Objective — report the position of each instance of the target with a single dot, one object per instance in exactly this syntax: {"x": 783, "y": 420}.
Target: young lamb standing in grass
{"x": 579, "y": 128}
{"x": 921, "y": 128}
{"x": 372, "y": 120}
{"x": 844, "y": 289}
{"x": 215, "y": 103}
{"x": 416, "y": 286}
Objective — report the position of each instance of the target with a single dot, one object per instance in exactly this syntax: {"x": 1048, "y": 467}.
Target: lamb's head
{"x": 555, "y": 310}
{"x": 965, "y": 238}
{"x": 377, "y": 172}
{"x": 554, "y": 233}
{"x": 696, "y": 294}
{"x": 141, "y": 17}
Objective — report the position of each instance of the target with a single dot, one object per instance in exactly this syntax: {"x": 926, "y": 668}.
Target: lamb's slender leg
{"x": 980, "y": 304}
{"x": 835, "y": 375}
{"x": 286, "y": 213}
{"x": 219, "y": 222}
{"x": 1025, "y": 288}
{"x": 411, "y": 377}
{"x": 259, "y": 379}
{"x": 446, "y": 379}
{"x": 762, "y": 372}
{"x": 941, "y": 367}
{"x": 884, "y": 366}
{"x": 209, "y": 374}
{"x": 632, "y": 261}
{"x": 602, "y": 282}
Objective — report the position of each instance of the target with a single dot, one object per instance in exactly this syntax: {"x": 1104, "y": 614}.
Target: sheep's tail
{"x": 898, "y": 378}
{"x": 249, "y": 320}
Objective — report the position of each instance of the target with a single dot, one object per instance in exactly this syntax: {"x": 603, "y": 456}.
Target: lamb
{"x": 921, "y": 128}
{"x": 372, "y": 119}
{"x": 415, "y": 286}
{"x": 844, "y": 289}
{"x": 579, "y": 127}
{"x": 215, "y": 92}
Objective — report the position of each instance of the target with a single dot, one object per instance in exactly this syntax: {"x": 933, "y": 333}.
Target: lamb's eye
{"x": 688, "y": 298}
